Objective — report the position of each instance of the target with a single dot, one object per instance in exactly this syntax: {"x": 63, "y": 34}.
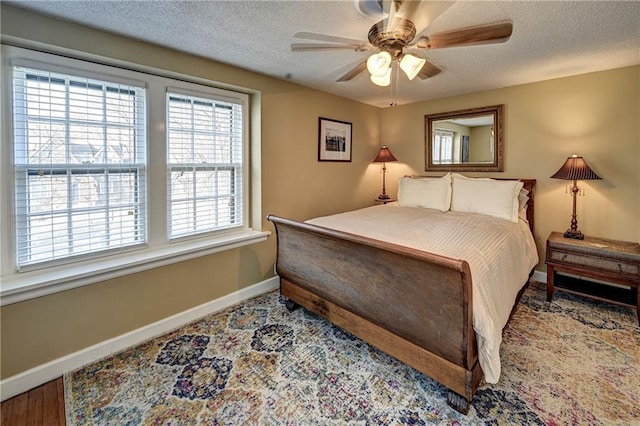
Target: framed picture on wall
{"x": 334, "y": 140}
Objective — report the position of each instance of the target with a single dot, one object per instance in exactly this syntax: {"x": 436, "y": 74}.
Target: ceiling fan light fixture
{"x": 411, "y": 65}
{"x": 384, "y": 80}
{"x": 379, "y": 64}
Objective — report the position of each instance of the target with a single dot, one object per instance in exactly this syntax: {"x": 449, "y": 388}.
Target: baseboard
{"x": 44, "y": 373}
{"x": 540, "y": 276}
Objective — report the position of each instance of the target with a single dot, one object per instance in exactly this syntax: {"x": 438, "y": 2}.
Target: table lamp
{"x": 384, "y": 156}
{"x": 575, "y": 168}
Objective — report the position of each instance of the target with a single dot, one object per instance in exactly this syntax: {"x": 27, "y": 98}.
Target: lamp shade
{"x": 379, "y": 63}
{"x": 575, "y": 168}
{"x": 384, "y": 156}
{"x": 384, "y": 80}
{"x": 411, "y": 65}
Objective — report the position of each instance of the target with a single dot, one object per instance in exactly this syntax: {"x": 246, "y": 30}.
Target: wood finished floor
{"x": 43, "y": 405}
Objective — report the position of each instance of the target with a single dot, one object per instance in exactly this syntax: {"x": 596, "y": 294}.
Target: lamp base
{"x": 383, "y": 197}
{"x": 576, "y": 235}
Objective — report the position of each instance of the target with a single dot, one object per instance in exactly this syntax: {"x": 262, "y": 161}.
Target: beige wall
{"x": 594, "y": 115}
{"x": 294, "y": 184}
{"x": 481, "y": 145}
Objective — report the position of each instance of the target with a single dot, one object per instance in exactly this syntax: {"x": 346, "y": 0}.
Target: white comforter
{"x": 500, "y": 254}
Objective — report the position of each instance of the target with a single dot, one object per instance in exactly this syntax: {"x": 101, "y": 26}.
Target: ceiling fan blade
{"x": 354, "y": 72}
{"x": 494, "y": 33}
{"x": 326, "y": 37}
{"x": 428, "y": 70}
{"x": 308, "y": 47}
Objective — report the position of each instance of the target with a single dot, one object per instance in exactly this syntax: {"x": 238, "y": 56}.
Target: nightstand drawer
{"x": 598, "y": 263}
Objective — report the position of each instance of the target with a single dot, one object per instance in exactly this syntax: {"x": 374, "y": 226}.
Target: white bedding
{"x": 500, "y": 255}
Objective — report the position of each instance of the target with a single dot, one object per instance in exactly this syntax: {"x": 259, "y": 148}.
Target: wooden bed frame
{"x": 413, "y": 305}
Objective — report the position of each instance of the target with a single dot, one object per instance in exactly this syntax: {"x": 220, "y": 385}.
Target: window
{"x": 108, "y": 171}
{"x": 79, "y": 153}
{"x": 442, "y": 147}
{"x": 205, "y": 145}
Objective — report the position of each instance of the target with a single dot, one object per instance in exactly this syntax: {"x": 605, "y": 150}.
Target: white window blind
{"x": 205, "y": 164}
{"x": 442, "y": 147}
{"x": 79, "y": 164}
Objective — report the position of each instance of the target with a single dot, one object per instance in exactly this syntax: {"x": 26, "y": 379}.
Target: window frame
{"x": 23, "y": 168}
{"x": 158, "y": 251}
{"x": 214, "y": 96}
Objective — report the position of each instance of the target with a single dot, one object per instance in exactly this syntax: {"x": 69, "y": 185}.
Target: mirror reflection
{"x": 465, "y": 140}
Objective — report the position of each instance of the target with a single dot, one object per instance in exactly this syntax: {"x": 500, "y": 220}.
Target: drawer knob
{"x": 564, "y": 256}
{"x": 619, "y": 267}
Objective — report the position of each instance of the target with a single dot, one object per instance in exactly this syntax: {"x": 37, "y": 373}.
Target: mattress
{"x": 500, "y": 254}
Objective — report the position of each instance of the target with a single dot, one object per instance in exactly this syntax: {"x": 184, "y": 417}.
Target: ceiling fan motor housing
{"x": 393, "y": 39}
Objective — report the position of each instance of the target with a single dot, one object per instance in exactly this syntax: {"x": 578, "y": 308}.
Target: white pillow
{"x": 523, "y": 198}
{"x": 428, "y": 193}
{"x": 486, "y": 196}
{"x": 523, "y": 204}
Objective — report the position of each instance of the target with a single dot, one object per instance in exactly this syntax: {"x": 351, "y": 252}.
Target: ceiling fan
{"x": 395, "y": 42}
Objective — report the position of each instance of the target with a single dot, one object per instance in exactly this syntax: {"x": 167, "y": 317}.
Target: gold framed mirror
{"x": 468, "y": 140}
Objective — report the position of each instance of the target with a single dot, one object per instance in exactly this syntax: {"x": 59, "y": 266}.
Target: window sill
{"x": 29, "y": 285}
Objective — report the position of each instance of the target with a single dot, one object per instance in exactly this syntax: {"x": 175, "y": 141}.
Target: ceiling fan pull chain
{"x": 394, "y": 85}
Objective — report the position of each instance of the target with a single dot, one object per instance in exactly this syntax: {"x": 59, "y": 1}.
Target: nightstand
{"x": 610, "y": 261}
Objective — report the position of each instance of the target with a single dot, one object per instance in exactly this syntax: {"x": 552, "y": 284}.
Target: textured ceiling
{"x": 550, "y": 39}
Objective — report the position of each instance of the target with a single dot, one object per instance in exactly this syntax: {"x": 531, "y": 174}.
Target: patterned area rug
{"x": 573, "y": 361}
